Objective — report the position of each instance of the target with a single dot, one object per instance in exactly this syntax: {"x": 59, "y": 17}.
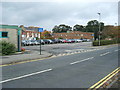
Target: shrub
{"x": 7, "y": 48}
{"x": 104, "y": 42}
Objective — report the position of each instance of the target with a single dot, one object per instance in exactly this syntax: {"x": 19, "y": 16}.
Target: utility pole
{"x": 99, "y": 26}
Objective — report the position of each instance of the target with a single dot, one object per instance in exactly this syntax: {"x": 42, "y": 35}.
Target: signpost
{"x": 40, "y": 30}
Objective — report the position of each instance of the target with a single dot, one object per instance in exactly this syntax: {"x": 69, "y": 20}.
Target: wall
{"x": 12, "y": 36}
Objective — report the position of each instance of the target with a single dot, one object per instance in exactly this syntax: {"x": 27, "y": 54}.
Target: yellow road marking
{"x": 21, "y": 62}
{"x": 105, "y": 78}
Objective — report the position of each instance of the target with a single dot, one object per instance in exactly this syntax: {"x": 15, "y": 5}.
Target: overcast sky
{"x": 48, "y": 14}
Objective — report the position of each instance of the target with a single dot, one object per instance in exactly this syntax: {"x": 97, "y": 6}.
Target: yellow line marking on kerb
{"x": 97, "y": 85}
{"x": 21, "y": 62}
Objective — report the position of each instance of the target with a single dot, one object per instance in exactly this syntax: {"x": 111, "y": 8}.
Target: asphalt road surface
{"x": 71, "y": 71}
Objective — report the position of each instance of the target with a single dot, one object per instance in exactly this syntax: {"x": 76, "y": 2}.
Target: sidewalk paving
{"x": 23, "y": 57}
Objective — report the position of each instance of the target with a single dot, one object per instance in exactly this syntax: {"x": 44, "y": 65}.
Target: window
{"x": 3, "y": 34}
{"x": 81, "y": 34}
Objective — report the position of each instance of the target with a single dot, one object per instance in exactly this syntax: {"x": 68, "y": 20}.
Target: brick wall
{"x": 74, "y": 35}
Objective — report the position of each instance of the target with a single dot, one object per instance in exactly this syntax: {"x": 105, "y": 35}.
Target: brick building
{"x": 74, "y": 35}
{"x": 30, "y": 33}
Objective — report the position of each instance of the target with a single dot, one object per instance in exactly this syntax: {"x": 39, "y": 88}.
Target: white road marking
{"x": 81, "y": 60}
{"x": 25, "y": 76}
{"x": 116, "y": 50}
{"x": 104, "y": 54}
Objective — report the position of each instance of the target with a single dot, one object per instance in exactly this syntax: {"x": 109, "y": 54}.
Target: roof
{"x": 10, "y": 26}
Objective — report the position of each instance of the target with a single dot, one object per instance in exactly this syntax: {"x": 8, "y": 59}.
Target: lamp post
{"x": 115, "y": 24}
{"x": 99, "y": 26}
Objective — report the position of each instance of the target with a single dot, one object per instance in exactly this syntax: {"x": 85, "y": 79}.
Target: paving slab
{"x": 23, "y": 57}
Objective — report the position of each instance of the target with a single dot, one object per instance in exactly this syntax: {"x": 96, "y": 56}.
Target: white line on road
{"x": 25, "y": 76}
{"x": 81, "y": 60}
{"x": 116, "y": 50}
{"x": 104, "y": 54}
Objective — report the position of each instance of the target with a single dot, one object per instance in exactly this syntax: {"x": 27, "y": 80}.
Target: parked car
{"x": 30, "y": 42}
{"x": 78, "y": 40}
{"x": 84, "y": 40}
{"x": 59, "y": 40}
{"x": 55, "y": 40}
{"x": 46, "y": 41}
{"x": 63, "y": 40}
{"x": 42, "y": 42}
{"x": 34, "y": 42}
{"x": 24, "y": 43}
{"x": 69, "y": 41}
{"x": 72, "y": 40}
{"x": 50, "y": 41}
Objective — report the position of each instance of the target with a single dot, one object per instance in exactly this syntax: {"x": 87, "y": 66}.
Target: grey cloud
{"x": 48, "y": 14}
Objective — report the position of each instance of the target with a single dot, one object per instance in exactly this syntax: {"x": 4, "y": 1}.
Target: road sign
{"x": 92, "y": 34}
{"x": 40, "y": 29}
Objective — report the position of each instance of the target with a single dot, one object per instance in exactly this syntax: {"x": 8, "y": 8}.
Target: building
{"x": 74, "y": 35}
{"x": 30, "y": 33}
{"x": 11, "y": 33}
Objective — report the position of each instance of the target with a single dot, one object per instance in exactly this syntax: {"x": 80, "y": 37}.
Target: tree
{"x": 78, "y": 28}
{"x": 55, "y": 29}
{"x": 61, "y": 28}
{"x": 110, "y": 32}
{"x": 93, "y": 26}
{"x": 46, "y": 34}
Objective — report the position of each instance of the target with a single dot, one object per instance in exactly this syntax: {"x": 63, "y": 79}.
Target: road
{"x": 80, "y": 70}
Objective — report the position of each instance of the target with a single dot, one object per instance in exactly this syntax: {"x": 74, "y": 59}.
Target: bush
{"x": 7, "y": 48}
{"x": 104, "y": 42}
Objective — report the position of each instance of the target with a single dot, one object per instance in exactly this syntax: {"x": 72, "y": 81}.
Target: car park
{"x": 50, "y": 41}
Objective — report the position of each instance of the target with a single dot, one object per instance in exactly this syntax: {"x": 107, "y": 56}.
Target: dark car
{"x": 72, "y": 40}
{"x": 55, "y": 40}
{"x": 50, "y": 41}
{"x": 46, "y": 41}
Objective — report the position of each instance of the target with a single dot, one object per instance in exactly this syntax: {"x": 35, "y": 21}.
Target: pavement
{"x": 29, "y": 55}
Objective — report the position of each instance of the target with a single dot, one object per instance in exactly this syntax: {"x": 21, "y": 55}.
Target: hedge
{"x": 105, "y": 42}
{"x": 7, "y": 48}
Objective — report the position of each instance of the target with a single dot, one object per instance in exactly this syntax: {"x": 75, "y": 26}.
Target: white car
{"x": 34, "y": 42}
{"x": 78, "y": 40}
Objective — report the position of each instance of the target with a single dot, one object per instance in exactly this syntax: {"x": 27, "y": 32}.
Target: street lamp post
{"x": 99, "y": 26}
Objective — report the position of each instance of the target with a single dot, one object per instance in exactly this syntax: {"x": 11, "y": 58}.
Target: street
{"x": 80, "y": 70}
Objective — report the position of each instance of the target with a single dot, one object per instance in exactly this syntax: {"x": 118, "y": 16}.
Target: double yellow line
{"x": 105, "y": 79}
